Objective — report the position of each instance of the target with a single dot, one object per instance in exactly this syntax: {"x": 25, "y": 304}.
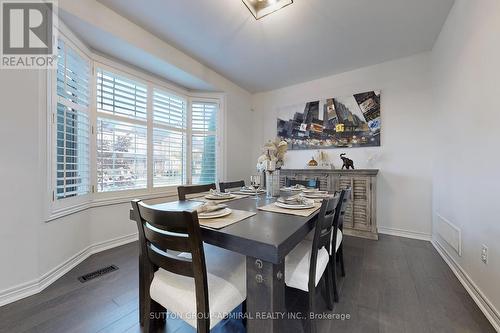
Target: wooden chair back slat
{"x": 182, "y": 191}
{"x": 229, "y": 185}
{"x": 174, "y": 222}
{"x": 172, "y": 263}
{"x": 167, "y": 240}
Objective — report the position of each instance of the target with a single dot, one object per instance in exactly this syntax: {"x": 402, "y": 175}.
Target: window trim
{"x": 60, "y": 208}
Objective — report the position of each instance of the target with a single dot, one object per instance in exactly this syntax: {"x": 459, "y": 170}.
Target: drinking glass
{"x": 255, "y": 181}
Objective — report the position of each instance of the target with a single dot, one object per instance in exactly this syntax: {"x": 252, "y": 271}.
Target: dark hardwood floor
{"x": 392, "y": 285}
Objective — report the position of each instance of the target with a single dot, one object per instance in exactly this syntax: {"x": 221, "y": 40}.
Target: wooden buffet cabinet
{"x": 361, "y": 215}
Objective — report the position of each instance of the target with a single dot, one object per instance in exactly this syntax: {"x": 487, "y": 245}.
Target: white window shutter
{"x": 121, "y": 133}
{"x": 72, "y": 124}
{"x": 204, "y": 142}
{"x": 169, "y": 139}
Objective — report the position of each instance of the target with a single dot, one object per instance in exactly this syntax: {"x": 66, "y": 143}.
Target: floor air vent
{"x": 98, "y": 273}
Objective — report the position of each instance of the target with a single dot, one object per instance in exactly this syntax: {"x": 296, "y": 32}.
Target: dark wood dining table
{"x": 265, "y": 239}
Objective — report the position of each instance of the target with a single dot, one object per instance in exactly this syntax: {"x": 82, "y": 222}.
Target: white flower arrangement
{"x": 273, "y": 155}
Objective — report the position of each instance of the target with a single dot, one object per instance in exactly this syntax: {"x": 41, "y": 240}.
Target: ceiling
{"x": 306, "y": 40}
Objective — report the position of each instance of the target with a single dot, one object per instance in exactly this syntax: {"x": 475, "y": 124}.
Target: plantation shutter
{"x": 203, "y": 142}
{"x": 121, "y": 133}
{"x": 72, "y": 124}
{"x": 120, "y": 96}
{"x": 169, "y": 139}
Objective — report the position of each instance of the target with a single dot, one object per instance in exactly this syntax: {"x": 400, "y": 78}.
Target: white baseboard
{"x": 35, "y": 286}
{"x": 491, "y": 313}
{"x": 405, "y": 233}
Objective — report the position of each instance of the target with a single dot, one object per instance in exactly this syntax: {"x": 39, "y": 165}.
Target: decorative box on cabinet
{"x": 361, "y": 218}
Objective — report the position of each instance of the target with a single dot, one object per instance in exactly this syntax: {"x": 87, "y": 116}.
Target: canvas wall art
{"x": 338, "y": 122}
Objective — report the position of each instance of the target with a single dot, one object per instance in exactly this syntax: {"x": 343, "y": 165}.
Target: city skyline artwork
{"x": 338, "y": 122}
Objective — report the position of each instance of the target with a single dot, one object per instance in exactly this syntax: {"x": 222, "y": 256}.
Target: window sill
{"x": 100, "y": 202}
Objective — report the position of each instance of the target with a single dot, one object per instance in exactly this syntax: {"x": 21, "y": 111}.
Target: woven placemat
{"x": 221, "y": 222}
{"x": 297, "y": 212}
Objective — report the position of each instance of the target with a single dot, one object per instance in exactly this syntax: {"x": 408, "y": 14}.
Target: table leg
{"x": 265, "y": 296}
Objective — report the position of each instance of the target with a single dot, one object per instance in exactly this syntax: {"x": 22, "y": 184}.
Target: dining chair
{"x": 346, "y": 199}
{"x": 229, "y": 185}
{"x": 336, "y": 243}
{"x": 311, "y": 183}
{"x": 197, "y": 284}
{"x": 306, "y": 264}
{"x": 182, "y": 191}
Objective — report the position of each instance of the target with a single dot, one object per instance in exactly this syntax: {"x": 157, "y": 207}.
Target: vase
{"x": 273, "y": 183}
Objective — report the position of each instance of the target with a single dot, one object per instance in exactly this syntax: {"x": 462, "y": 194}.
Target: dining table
{"x": 265, "y": 239}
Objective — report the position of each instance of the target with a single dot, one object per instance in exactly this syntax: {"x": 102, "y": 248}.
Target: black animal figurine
{"x": 348, "y": 163}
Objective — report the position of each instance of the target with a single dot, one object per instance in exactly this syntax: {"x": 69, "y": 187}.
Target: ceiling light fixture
{"x": 261, "y": 8}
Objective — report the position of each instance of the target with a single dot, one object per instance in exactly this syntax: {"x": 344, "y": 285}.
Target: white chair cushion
{"x": 226, "y": 275}
{"x": 339, "y": 241}
{"x": 297, "y": 264}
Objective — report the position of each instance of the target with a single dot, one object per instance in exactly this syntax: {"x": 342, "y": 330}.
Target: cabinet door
{"x": 357, "y": 214}
{"x": 343, "y": 183}
{"x": 361, "y": 203}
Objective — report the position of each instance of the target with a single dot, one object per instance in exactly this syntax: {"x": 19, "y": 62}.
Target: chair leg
{"x": 341, "y": 254}
{"x": 155, "y": 316}
{"x": 329, "y": 286}
{"x": 334, "y": 280}
{"x": 312, "y": 311}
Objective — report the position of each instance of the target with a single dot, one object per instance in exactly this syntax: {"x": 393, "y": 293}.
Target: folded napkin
{"x": 216, "y": 193}
{"x": 209, "y": 207}
{"x": 296, "y": 200}
{"x": 247, "y": 188}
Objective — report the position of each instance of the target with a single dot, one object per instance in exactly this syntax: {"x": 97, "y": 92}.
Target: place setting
{"x": 293, "y": 205}
{"x": 254, "y": 190}
{"x": 217, "y": 216}
{"x": 315, "y": 194}
{"x": 219, "y": 197}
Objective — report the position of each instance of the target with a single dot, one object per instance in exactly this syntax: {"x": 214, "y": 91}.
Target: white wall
{"x": 466, "y": 88}
{"x": 19, "y": 176}
{"x": 404, "y": 181}
{"x": 29, "y": 247}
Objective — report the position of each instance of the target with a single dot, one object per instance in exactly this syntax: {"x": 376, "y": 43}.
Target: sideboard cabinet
{"x": 361, "y": 217}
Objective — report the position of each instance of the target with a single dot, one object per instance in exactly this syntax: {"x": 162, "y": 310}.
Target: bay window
{"x": 123, "y": 135}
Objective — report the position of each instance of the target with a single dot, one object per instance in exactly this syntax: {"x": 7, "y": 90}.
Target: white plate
{"x": 216, "y": 197}
{"x": 216, "y": 214}
{"x": 282, "y": 205}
